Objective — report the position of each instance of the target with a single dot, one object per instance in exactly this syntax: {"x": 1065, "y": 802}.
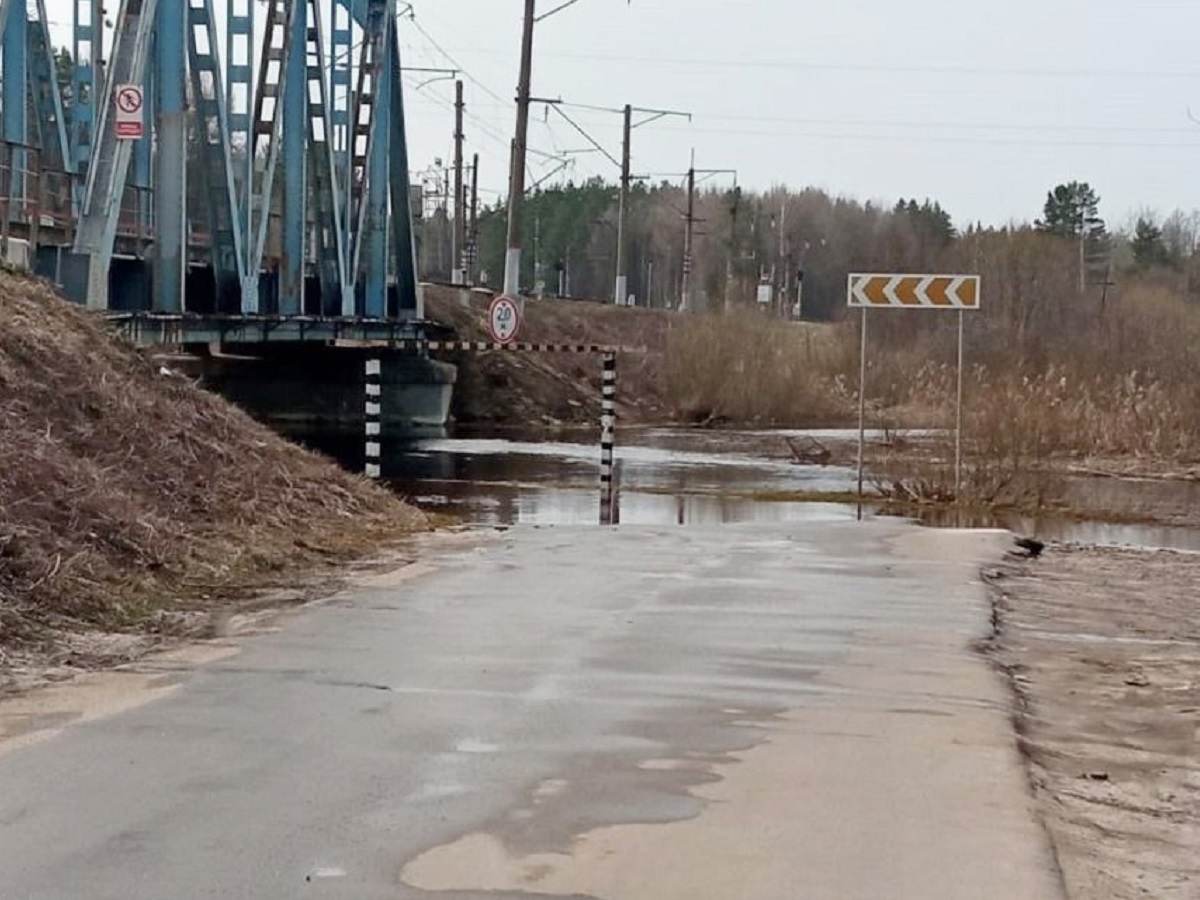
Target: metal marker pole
{"x": 608, "y": 420}
{"x": 373, "y": 415}
{"x": 862, "y": 403}
{"x": 958, "y": 416}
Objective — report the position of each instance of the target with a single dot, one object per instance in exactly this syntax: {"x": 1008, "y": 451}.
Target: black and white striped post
{"x": 608, "y": 430}
{"x": 373, "y": 418}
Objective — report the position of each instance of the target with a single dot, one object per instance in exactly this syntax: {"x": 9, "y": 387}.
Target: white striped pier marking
{"x": 372, "y": 417}
{"x": 373, "y": 403}
{"x": 608, "y": 428}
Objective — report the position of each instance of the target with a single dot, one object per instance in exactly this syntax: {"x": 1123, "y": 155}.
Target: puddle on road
{"x": 691, "y": 477}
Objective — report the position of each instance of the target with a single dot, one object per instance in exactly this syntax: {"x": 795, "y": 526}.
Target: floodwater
{"x": 693, "y": 477}
{"x": 507, "y": 481}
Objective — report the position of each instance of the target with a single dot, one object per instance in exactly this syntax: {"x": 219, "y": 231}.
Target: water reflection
{"x": 690, "y": 477}
{"x": 492, "y": 481}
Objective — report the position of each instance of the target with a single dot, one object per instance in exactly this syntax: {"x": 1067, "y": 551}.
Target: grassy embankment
{"x": 131, "y": 501}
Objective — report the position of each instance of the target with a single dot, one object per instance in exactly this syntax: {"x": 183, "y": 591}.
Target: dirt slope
{"x": 128, "y": 496}
{"x": 556, "y": 388}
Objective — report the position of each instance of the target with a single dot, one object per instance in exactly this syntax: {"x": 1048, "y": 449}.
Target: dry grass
{"x": 1020, "y": 429}
{"x": 126, "y": 490}
{"x": 746, "y": 368}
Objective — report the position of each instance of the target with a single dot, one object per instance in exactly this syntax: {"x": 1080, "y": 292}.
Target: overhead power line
{"x": 454, "y": 62}
{"x": 554, "y": 105}
{"x": 794, "y": 65}
{"x": 938, "y": 139}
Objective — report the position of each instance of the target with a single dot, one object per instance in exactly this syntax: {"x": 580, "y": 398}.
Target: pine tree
{"x": 1148, "y": 246}
{"x": 1072, "y": 210}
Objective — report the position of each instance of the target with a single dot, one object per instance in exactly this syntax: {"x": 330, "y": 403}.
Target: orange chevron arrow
{"x": 937, "y": 292}
{"x": 874, "y": 289}
{"x": 906, "y": 291}
{"x": 968, "y": 293}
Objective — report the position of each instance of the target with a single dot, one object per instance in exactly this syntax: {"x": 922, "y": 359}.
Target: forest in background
{"x": 782, "y": 237}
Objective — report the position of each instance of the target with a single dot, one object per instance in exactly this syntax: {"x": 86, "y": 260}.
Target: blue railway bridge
{"x": 221, "y": 173}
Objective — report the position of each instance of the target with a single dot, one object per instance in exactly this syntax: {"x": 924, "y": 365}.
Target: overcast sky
{"x": 982, "y": 107}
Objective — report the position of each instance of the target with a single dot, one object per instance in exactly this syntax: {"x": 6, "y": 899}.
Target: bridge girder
{"x": 299, "y": 176}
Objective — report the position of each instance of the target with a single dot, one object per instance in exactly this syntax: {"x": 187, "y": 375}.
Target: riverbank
{"x": 137, "y": 510}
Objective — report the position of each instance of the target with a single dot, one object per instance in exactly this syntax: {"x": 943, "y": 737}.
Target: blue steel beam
{"x": 295, "y": 128}
{"x": 14, "y": 127}
{"x": 341, "y": 65}
{"x": 45, "y": 64}
{"x": 336, "y": 292}
{"x": 216, "y": 163}
{"x": 170, "y": 160}
{"x": 375, "y": 96}
{"x": 267, "y": 127}
{"x": 142, "y": 175}
{"x": 84, "y": 51}
{"x": 408, "y": 292}
{"x": 47, "y": 99}
{"x": 239, "y": 60}
{"x": 109, "y": 163}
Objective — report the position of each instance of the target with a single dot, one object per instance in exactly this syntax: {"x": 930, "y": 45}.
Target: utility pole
{"x": 733, "y": 218}
{"x": 459, "y": 244}
{"x": 516, "y": 182}
{"x": 473, "y": 256}
{"x": 1082, "y": 250}
{"x": 782, "y": 258}
{"x": 621, "y": 291}
{"x": 537, "y": 255}
{"x": 685, "y": 303}
{"x": 685, "y": 300}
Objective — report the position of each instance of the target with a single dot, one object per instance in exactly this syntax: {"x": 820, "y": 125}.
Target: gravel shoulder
{"x": 1102, "y": 648}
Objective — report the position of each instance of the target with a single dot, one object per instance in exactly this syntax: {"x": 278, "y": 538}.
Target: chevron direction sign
{"x": 914, "y": 291}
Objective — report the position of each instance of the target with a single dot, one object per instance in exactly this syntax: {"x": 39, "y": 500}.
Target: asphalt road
{"x": 735, "y": 713}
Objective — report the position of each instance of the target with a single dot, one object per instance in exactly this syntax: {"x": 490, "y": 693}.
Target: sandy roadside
{"x": 1102, "y": 648}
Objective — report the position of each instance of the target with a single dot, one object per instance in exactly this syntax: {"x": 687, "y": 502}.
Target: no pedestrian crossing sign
{"x": 504, "y": 319}
{"x": 129, "y": 118}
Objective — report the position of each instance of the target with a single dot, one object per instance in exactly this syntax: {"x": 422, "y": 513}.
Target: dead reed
{"x": 749, "y": 369}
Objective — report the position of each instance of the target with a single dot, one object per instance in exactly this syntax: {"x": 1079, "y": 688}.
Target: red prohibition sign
{"x": 129, "y": 99}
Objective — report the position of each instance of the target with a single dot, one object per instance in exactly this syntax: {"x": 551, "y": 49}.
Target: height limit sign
{"x": 128, "y": 103}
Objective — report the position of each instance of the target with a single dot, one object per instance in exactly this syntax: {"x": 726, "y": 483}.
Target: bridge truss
{"x": 272, "y": 177}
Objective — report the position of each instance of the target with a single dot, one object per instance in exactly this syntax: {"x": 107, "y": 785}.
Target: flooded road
{"x": 691, "y": 477}
{"x": 687, "y": 476}
{"x": 503, "y": 481}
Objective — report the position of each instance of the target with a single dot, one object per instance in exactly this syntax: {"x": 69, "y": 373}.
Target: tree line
{"x": 799, "y": 243}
